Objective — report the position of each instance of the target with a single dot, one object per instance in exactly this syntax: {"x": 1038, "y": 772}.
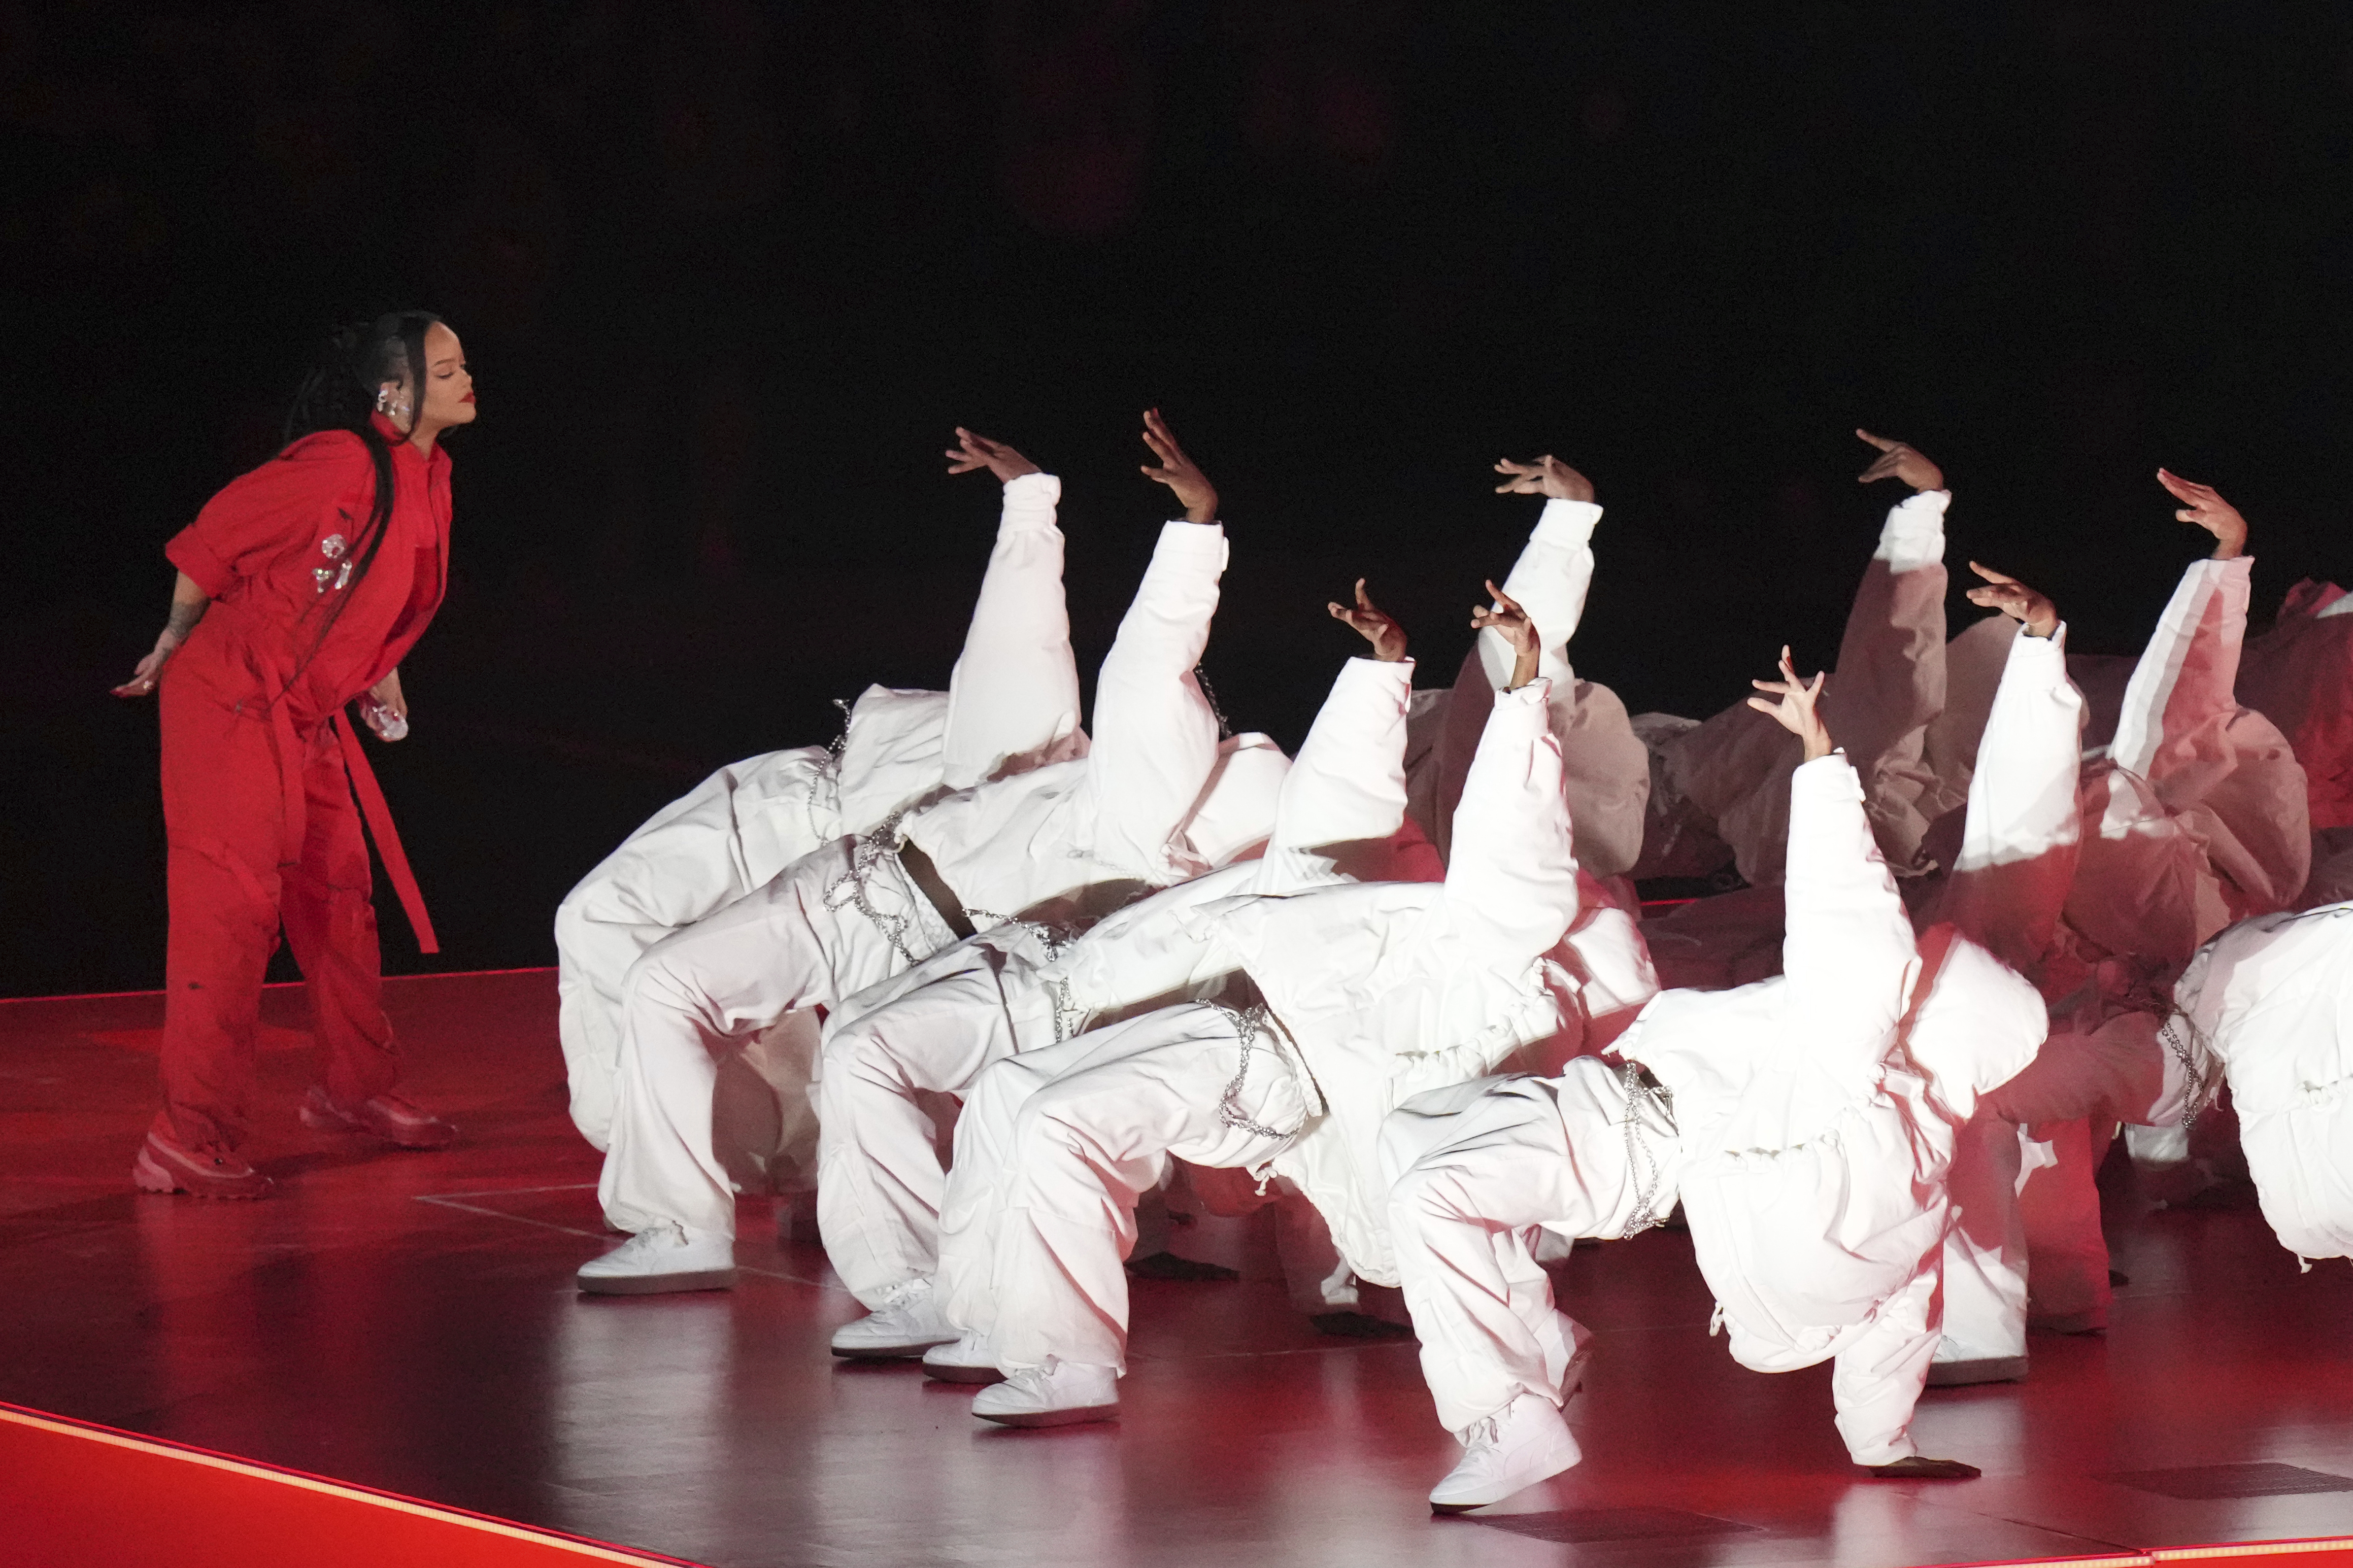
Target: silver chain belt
{"x": 850, "y": 888}
{"x": 1640, "y": 1085}
{"x": 1249, "y": 1023}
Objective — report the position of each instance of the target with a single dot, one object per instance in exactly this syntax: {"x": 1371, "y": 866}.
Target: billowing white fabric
{"x": 1034, "y": 843}
{"x": 1390, "y": 989}
{"x": 848, "y": 917}
{"x": 2299, "y": 675}
{"x": 1033, "y": 1259}
{"x": 1819, "y": 1111}
{"x": 1013, "y": 701}
{"x": 1473, "y": 1172}
{"x": 2200, "y": 808}
{"x": 936, "y": 1027}
{"x": 1606, "y": 771}
{"x": 786, "y": 945}
{"x": 2273, "y": 999}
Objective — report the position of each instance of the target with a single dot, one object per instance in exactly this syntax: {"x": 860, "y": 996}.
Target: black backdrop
{"x": 728, "y": 273}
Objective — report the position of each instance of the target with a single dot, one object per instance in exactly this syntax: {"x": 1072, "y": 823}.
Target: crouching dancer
{"x": 1340, "y": 811}
{"x": 1374, "y": 991}
{"x": 1011, "y": 704}
{"x": 858, "y": 910}
{"x": 1804, "y": 1120}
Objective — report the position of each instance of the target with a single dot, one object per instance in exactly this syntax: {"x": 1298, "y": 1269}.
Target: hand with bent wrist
{"x": 1900, "y": 460}
{"x": 1372, "y": 623}
{"x": 973, "y": 452}
{"x": 2208, "y": 510}
{"x": 1796, "y": 708}
{"x": 2016, "y": 600}
{"x": 1177, "y": 471}
{"x": 1507, "y": 617}
{"x": 1546, "y": 476}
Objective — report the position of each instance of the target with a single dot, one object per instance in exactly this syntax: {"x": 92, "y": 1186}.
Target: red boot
{"x": 388, "y": 1115}
{"x": 166, "y": 1165}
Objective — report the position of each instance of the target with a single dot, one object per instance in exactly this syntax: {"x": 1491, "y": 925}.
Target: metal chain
{"x": 830, "y": 771}
{"x": 1640, "y": 1085}
{"x": 1249, "y": 1024}
{"x": 2194, "y": 1097}
{"x": 866, "y": 853}
{"x": 1210, "y": 695}
{"x": 1056, "y": 943}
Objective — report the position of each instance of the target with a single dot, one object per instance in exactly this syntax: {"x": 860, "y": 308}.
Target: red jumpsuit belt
{"x": 387, "y": 838}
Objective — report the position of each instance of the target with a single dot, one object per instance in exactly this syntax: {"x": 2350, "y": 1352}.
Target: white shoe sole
{"x": 1069, "y": 1415}
{"x": 1981, "y": 1369}
{"x": 888, "y": 1352}
{"x": 655, "y": 1284}
{"x": 961, "y": 1371}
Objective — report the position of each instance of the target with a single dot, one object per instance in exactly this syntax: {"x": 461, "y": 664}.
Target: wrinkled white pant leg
{"x": 2061, "y": 1207}
{"x": 592, "y": 958}
{"x": 879, "y": 1185}
{"x": 1986, "y": 1256}
{"x": 775, "y": 950}
{"x": 1477, "y": 1170}
{"x": 1087, "y": 1144}
{"x": 972, "y": 1211}
{"x": 1876, "y": 1380}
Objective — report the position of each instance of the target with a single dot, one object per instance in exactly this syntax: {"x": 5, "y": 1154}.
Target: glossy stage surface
{"x": 407, "y": 1321}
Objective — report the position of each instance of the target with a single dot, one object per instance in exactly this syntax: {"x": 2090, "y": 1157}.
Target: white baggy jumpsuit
{"x": 1817, "y": 1113}
{"x": 1607, "y": 771}
{"x": 1374, "y": 992}
{"x": 2271, "y": 998}
{"x": 1012, "y": 702}
{"x": 850, "y": 915}
{"x": 1012, "y": 989}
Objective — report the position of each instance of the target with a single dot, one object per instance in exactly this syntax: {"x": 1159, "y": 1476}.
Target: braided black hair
{"x": 340, "y": 393}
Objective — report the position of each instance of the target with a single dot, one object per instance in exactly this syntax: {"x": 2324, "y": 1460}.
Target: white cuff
{"x": 1830, "y": 778}
{"x": 1568, "y": 522}
{"x": 1914, "y": 535}
{"x": 1204, "y": 540}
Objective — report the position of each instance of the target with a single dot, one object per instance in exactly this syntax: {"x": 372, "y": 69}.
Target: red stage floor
{"x": 407, "y": 1321}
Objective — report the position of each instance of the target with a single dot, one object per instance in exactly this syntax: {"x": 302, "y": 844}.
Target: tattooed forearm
{"x": 183, "y": 618}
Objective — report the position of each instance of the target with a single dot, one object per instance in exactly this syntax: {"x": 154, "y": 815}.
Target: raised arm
{"x": 1013, "y": 699}
{"x": 1890, "y": 663}
{"x": 2188, "y": 673}
{"x": 1156, "y": 735}
{"x": 2022, "y": 831}
{"x": 1511, "y": 883}
{"x": 1848, "y": 950}
{"x": 1346, "y": 787}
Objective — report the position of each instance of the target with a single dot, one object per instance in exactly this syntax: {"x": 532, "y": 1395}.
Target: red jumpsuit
{"x": 258, "y": 805}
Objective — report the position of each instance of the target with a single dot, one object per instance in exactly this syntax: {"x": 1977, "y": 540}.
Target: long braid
{"x": 340, "y": 393}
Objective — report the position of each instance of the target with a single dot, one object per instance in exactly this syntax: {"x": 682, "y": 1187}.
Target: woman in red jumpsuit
{"x": 301, "y": 587}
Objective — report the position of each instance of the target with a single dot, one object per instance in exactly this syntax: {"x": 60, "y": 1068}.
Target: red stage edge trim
{"x": 282, "y": 985}
{"x": 66, "y": 1426}
{"x": 2313, "y": 1547}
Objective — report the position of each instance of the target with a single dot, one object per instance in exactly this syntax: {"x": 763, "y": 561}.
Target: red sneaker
{"x": 166, "y": 1165}
{"x": 388, "y": 1115}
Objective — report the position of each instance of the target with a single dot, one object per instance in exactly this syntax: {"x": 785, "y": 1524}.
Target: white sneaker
{"x": 967, "y": 1360}
{"x": 670, "y": 1256}
{"x": 908, "y": 1323}
{"x": 1062, "y": 1394}
{"x": 1522, "y": 1444}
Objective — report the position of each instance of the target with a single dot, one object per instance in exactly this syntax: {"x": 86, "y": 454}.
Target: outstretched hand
{"x": 1900, "y": 460}
{"x": 1372, "y": 623}
{"x": 2210, "y": 511}
{"x": 971, "y": 452}
{"x": 1177, "y": 471}
{"x": 1507, "y": 617}
{"x": 1795, "y": 710}
{"x": 2014, "y": 599}
{"x": 1547, "y": 476}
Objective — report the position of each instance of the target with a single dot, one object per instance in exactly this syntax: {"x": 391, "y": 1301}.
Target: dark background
{"x": 728, "y": 274}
